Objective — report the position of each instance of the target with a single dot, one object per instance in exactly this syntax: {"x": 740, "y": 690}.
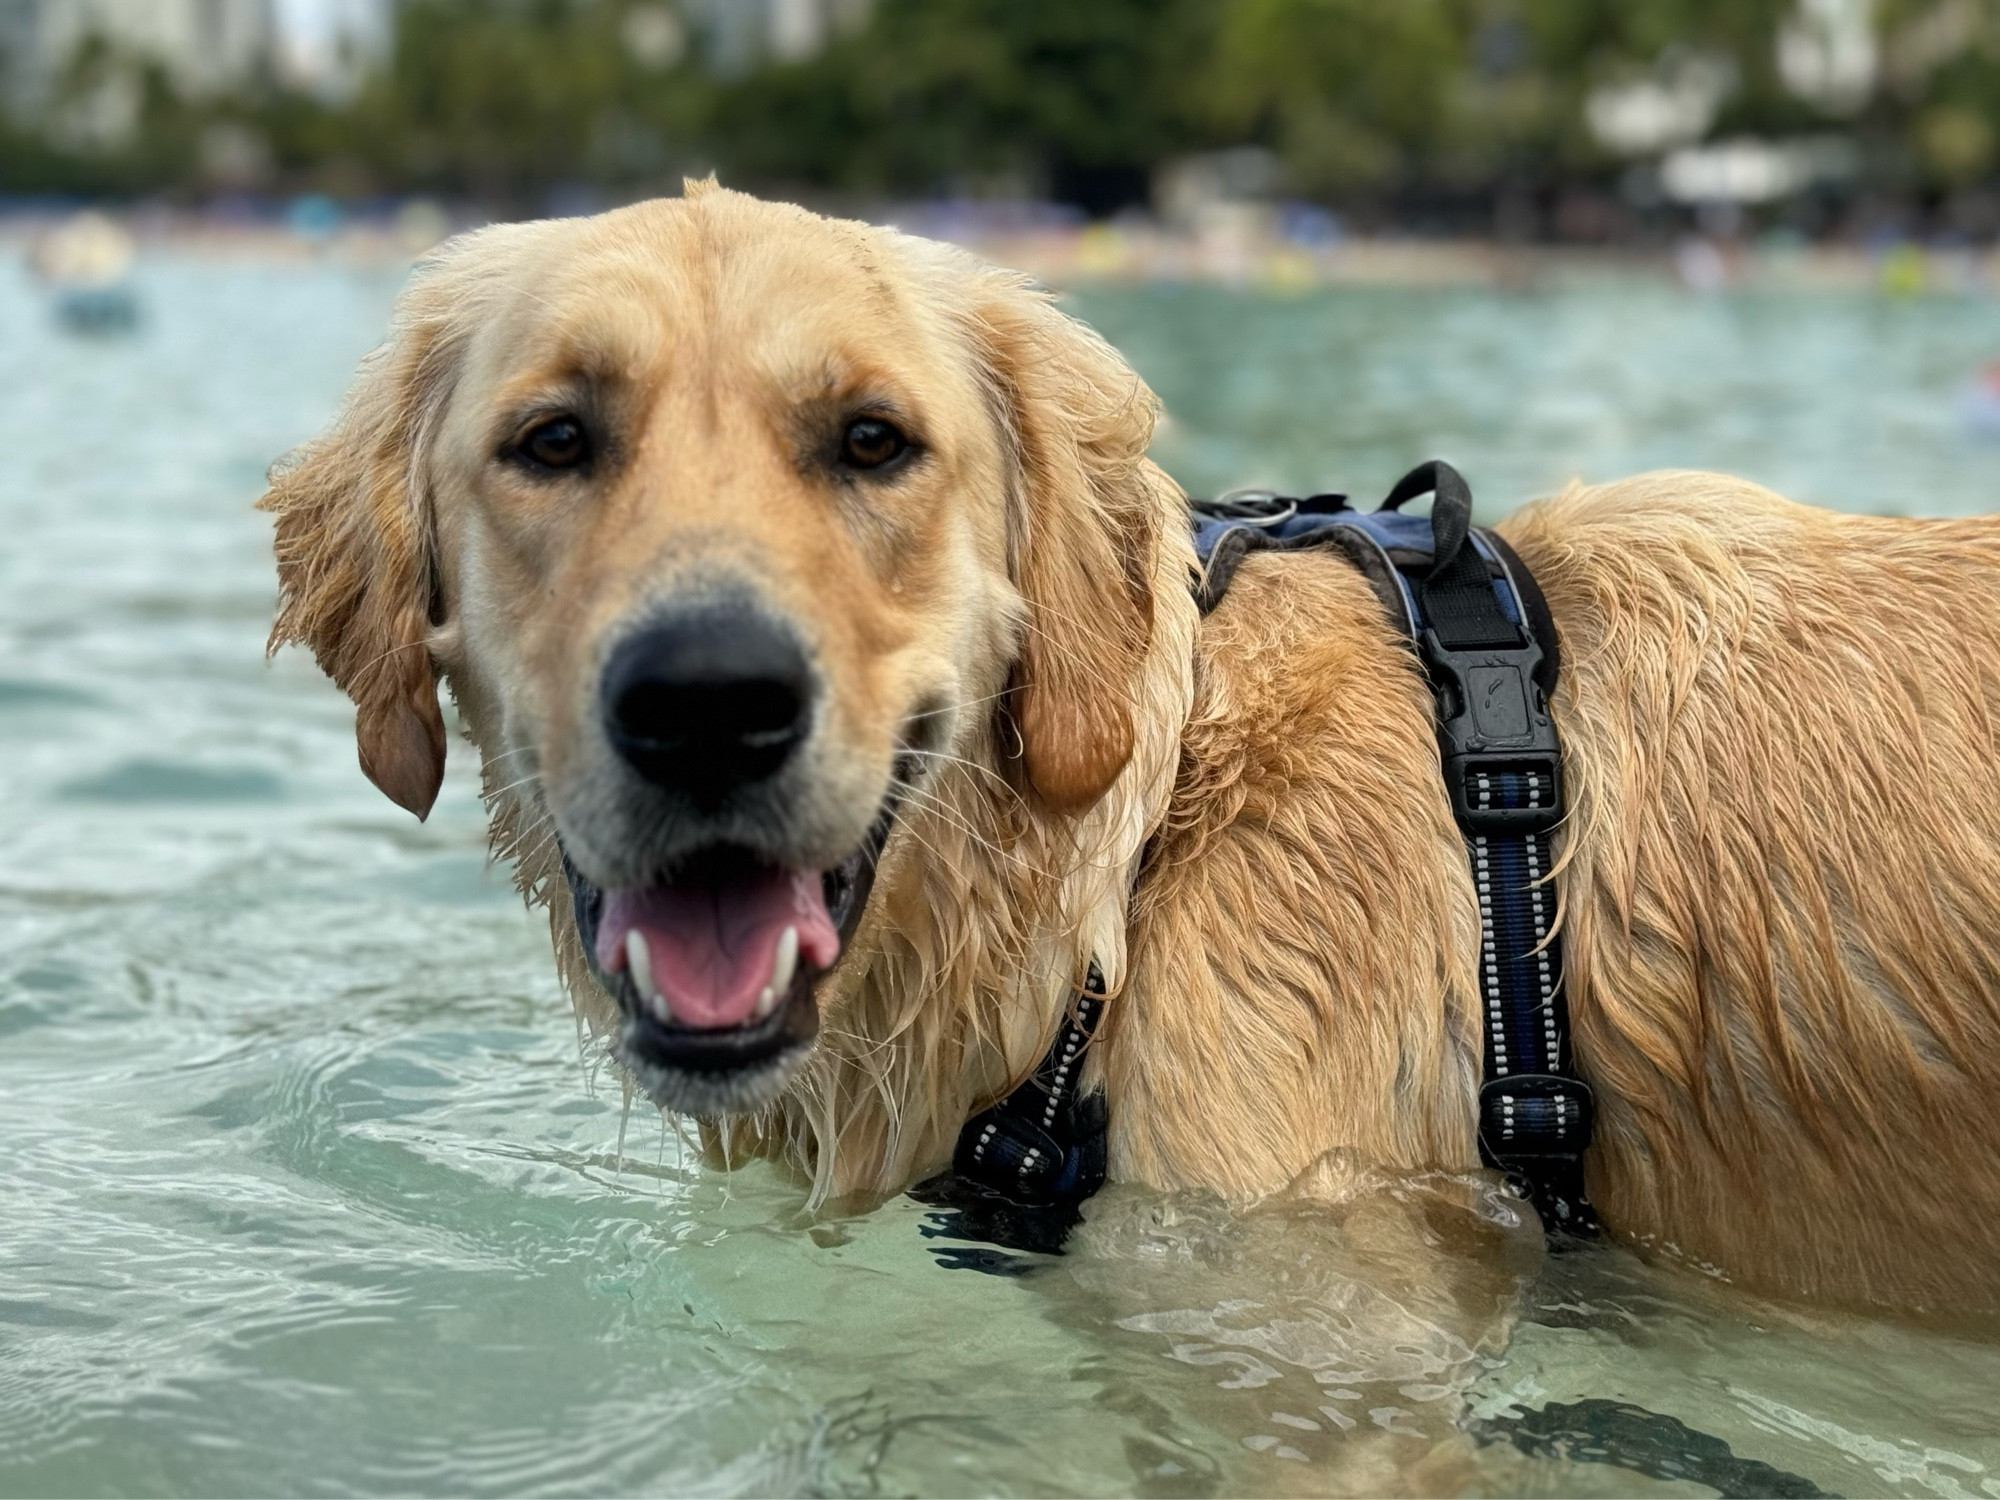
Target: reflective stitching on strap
{"x": 1535, "y": 1114}
{"x": 985, "y": 1140}
{"x": 1044, "y": 1144}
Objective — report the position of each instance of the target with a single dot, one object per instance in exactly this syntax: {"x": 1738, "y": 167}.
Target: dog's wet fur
{"x": 1780, "y": 874}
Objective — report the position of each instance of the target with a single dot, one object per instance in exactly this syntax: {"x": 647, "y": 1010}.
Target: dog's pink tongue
{"x": 712, "y": 945}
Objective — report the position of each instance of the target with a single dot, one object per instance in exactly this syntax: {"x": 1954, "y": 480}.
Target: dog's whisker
{"x": 985, "y": 773}
{"x": 501, "y": 791}
{"x": 960, "y": 705}
{"x": 929, "y": 801}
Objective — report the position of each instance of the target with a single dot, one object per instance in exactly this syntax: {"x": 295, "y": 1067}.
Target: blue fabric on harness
{"x": 1477, "y": 623}
{"x": 1395, "y": 535}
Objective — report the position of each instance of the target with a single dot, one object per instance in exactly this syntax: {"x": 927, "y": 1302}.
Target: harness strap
{"x": 1478, "y": 622}
{"x": 1044, "y": 1144}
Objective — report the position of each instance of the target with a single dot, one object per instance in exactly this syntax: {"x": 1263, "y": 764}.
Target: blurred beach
{"x": 1250, "y": 251}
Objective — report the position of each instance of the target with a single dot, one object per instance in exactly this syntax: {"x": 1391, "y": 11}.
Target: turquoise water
{"x": 307, "y": 1186}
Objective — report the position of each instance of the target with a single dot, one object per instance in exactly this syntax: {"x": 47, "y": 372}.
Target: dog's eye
{"x": 870, "y": 443}
{"x": 559, "y": 443}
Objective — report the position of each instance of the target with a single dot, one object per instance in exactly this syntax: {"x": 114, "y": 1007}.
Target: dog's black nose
{"x": 708, "y": 700}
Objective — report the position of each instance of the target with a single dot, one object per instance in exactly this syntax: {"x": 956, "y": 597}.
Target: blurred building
{"x": 1827, "y": 52}
{"x": 325, "y": 47}
{"x": 72, "y": 67}
{"x": 205, "y": 46}
{"x": 740, "y": 34}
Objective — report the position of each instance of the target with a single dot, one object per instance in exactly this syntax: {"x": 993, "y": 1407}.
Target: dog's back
{"x": 1783, "y": 879}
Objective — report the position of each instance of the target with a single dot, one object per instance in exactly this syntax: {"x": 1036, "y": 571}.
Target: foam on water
{"x": 308, "y": 1188}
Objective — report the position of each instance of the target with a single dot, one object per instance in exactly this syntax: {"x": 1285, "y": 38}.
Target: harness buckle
{"x": 1247, "y": 507}
{"x": 1534, "y": 1127}
{"x": 1534, "y": 1114}
{"x": 1471, "y": 780}
{"x": 1502, "y": 760}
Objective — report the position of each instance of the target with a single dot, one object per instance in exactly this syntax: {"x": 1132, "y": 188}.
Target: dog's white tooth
{"x": 641, "y": 960}
{"x": 785, "y": 963}
{"x": 767, "y": 1001}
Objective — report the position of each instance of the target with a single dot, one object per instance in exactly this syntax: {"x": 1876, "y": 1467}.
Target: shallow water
{"x": 307, "y": 1188}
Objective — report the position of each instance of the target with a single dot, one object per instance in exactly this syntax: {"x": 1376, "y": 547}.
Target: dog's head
{"x": 727, "y": 525}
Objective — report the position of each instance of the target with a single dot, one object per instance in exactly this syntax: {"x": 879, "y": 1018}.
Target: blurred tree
{"x": 499, "y": 99}
{"x": 1354, "y": 94}
{"x": 1360, "y": 95}
{"x": 112, "y": 123}
{"x": 1941, "y": 103}
{"x": 1078, "y": 99}
{"x": 1495, "y": 106}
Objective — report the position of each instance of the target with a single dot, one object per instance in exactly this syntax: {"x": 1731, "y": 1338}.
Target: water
{"x": 305, "y": 1185}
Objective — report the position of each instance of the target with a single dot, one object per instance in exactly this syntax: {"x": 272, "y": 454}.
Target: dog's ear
{"x": 355, "y": 568}
{"x": 1086, "y": 520}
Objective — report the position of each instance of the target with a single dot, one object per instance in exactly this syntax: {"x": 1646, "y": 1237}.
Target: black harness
{"x": 1476, "y": 620}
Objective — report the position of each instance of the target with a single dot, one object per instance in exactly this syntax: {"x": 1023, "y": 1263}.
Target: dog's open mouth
{"x": 715, "y": 968}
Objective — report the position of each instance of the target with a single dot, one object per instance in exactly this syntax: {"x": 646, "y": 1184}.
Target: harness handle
{"x": 1451, "y": 511}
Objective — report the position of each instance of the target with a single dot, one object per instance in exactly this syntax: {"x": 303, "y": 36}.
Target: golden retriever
{"x": 827, "y": 637}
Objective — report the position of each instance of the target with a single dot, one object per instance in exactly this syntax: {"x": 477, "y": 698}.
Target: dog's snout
{"x": 708, "y": 700}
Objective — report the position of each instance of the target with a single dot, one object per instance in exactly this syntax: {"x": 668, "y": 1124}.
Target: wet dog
{"x": 827, "y": 639}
